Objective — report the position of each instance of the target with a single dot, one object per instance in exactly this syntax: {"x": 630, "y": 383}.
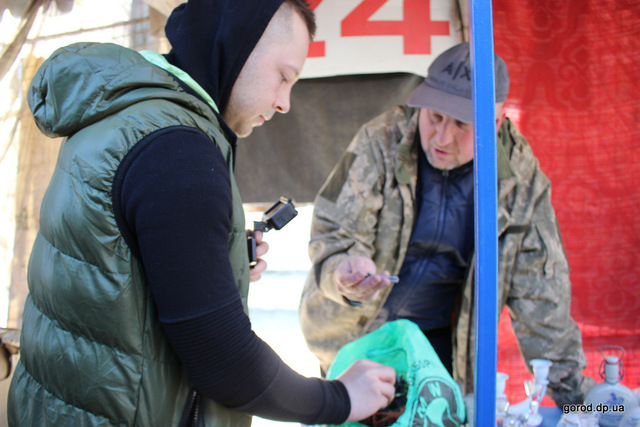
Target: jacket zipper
{"x": 438, "y": 235}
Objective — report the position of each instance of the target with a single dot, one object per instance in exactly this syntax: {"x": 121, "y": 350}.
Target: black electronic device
{"x": 276, "y": 217}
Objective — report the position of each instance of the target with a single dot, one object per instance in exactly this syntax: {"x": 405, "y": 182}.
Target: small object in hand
{"x": 276, "y": 217}
{"x": 392, "y": 279}
{"x": 388, "y": 415}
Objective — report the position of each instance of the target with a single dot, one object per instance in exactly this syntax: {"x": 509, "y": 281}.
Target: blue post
{"x": 486, "y": 211}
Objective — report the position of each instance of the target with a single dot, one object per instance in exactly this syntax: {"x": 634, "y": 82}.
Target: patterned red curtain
{"x": 575, "y": 94}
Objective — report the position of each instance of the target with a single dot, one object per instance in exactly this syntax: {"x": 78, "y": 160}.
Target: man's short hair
{"x": 308, "y": 15}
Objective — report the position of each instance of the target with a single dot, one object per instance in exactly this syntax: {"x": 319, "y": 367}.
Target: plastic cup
{"x": 541, "y": 368}
{"x": 501, "y": 383}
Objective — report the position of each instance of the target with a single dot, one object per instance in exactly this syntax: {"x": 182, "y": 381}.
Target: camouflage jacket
{"x": 366, "y": 208}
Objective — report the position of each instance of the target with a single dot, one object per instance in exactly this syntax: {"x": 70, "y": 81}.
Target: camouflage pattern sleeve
{"x": 346, "y": 211}
{"x": 539, "y": 298}
{"x": 365, "y": 208}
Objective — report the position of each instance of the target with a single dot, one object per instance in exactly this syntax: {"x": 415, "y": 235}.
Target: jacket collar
{"x": 160, "y": 61}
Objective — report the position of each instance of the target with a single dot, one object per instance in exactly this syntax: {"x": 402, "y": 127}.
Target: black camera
{"x": 276, "y": 217}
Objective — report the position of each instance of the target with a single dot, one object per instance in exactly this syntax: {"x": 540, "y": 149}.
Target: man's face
{"x": 264, "y": 84}
{"x": 447, "y": 142}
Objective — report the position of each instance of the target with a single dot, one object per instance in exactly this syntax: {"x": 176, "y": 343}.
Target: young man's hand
{"x": 261, "y": 248}
{"x": 371, "y": 386}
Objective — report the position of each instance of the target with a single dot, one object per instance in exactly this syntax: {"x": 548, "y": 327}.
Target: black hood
{"x": 212, "y": 39}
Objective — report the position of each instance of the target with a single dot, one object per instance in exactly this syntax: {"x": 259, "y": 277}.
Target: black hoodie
{"x": 212, "y": 39}
{"x": 175, "y": 202}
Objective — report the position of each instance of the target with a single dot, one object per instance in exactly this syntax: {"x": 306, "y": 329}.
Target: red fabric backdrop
{"x": 575, "y": 94}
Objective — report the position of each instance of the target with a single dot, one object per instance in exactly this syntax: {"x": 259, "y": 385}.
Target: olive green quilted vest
{"x": 93, "y": 351}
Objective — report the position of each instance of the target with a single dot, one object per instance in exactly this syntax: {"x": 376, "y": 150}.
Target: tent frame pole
{"x": 486, "y": 211}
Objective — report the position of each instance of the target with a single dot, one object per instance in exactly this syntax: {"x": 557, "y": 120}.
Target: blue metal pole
{"x": 486, "y": 211}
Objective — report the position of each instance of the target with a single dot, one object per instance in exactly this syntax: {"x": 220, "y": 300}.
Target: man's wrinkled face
{"x": 264, "y": 84}
{"x": 447, "y": 142}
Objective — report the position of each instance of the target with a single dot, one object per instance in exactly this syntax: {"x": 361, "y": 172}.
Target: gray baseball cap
{"x": 447, "y": 87}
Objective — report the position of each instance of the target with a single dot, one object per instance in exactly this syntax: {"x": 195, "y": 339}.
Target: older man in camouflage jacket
{"x": 400, "y": 201}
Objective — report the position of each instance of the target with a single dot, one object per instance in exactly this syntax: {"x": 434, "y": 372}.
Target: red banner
{"x": 575, "y": 91}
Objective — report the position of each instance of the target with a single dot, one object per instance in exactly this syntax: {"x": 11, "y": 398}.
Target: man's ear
{"x": 501, "y": 114}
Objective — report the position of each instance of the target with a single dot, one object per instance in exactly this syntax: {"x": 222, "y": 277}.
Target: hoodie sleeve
{"x": 174, "y": 202}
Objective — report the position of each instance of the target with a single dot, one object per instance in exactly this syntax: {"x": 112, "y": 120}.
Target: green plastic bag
{"x": 433, "y": 398}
